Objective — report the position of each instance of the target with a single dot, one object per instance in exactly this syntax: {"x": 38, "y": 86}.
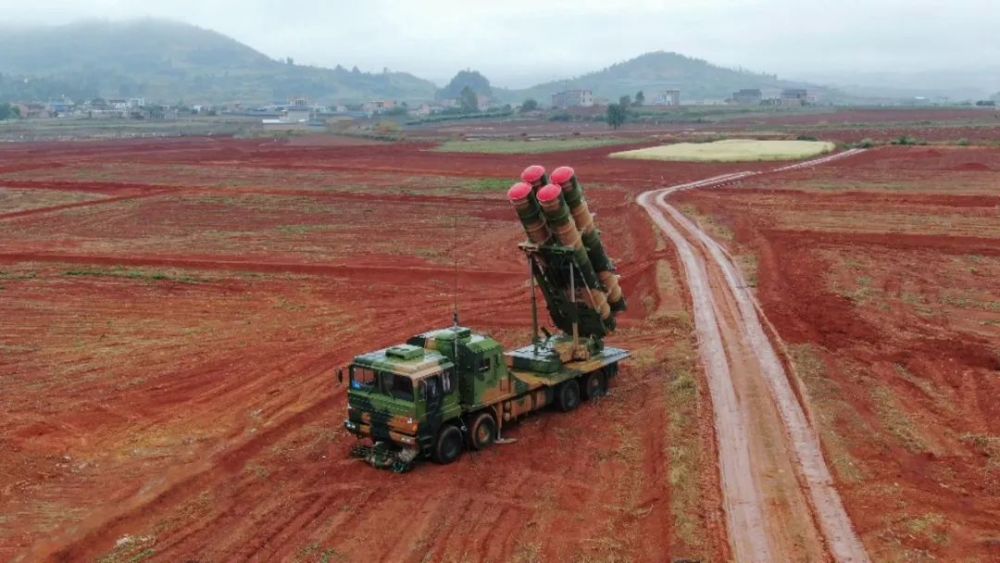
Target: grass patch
{"x": 929, "y": 527}
{"x": 519, "y": 146}
{"x": 895, "y": 419}
{"x": 486, "y": 185}
{"x": 143, "y": 275}
{"x": 131, "y": 549}
{"x": 683, "y": 399}
{"x": 730, "y": 150}
{"x": 316, "y": 553}
{"x": 825, "y": 397}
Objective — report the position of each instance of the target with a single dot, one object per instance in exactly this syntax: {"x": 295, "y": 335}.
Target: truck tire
{"x": 568, "y": 395}
{"x": 448, "y": 446}
{"x": 482, "y": 431}
{"x": 594, "y": 385}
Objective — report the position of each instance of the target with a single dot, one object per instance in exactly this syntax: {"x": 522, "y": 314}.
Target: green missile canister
{"x": 534, "y": 176}
{"x": 572, "y": 192}
{"x": 522, "y": 197}
{"x": 561, "y": 224}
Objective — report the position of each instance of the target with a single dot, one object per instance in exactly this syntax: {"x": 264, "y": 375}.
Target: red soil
{"x": 169, "y": 367}
{"x": 199, "y": 416}
{"x": 903, "y": 329}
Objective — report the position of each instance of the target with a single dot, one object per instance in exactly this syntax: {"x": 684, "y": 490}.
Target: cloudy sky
{"x": 519, "y": 42}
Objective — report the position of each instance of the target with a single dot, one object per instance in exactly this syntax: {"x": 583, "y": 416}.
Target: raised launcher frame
{"x": 553, "y": 267}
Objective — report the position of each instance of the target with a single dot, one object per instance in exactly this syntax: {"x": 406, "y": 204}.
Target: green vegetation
{"x": 144, "y": 275}
{"x": 167, "y": 61}
{"x": 131, "y": 549}
{"x": 486, "y": 185}
{"x": 895, "y": 419}
{"x": 831, "y": 409}
{"x": 465, "y": 80}
{"x": 526, "y": 147}
{"x": 907, "y": 140}
{"x": 731, "y": 150}
{"x": 616, "y": 115}
{"x": 657, "y": 71}
{"x": 460, "y": 116}
{"x": 8, "y": 111}
{"x": 468, "y": 100}
{"x": 529, "y": 105}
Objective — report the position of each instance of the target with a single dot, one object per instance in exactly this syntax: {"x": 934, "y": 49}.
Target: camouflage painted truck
{"x": 450, "y": 389}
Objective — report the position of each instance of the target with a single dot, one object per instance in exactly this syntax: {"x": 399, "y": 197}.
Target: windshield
{"x": 383, "y": 382}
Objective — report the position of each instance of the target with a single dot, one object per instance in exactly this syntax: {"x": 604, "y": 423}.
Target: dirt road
{"x": 778, "y": 494}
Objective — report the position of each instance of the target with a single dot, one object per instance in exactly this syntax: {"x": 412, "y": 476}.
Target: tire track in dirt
{"x": 105, "y": 201}
{"x": 779, "y": 496}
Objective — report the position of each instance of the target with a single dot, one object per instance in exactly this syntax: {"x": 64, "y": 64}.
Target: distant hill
{"x": 657, "y": 71}
{"x": 465, "y": 79}
{"x": 169, "y": 61}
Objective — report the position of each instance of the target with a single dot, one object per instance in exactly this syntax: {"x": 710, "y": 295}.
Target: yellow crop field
{"x": 730, "y": 150}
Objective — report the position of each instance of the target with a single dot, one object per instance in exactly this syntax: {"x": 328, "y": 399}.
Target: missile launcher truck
{"x": 452, "y": 389}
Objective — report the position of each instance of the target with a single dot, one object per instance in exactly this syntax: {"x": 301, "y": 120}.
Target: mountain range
{"x": 169, "y": 62}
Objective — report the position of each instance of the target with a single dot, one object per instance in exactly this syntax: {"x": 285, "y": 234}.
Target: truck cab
{"x": 402, "y": 395}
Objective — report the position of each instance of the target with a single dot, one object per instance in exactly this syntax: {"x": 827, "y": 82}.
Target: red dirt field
{"x": 172, "y": 313}
{"x": 169, "y": 353}
{"x": 880, "y": 273}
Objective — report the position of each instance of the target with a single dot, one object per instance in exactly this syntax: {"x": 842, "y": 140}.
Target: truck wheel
{"x": 448, "y": 446}
{"x": 594, "y": 385}
{"x": 483, "y": 431}
{"x": 568, "y": 395}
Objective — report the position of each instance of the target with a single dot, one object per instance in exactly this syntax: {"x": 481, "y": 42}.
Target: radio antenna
{"x": 454, "y": 259}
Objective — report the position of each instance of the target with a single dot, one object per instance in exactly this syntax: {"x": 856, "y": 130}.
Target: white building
{"x": 573, "y": 99}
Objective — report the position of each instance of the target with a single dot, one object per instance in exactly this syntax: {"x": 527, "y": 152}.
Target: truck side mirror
{"x": 340, "y": 377}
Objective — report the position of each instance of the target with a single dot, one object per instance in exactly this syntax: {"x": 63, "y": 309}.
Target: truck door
{"x": 440, "y": 398}
{"x": 432, "y": 392}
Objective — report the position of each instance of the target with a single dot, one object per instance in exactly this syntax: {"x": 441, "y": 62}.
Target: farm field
{"x": 174, "y": 312}
{"x": 171, "y": 341}
{"x": 730, "y": 150}
{"x": 539, "y": 146}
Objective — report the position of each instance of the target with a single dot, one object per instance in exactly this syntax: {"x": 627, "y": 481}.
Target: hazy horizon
{"x": 519, "y": 44}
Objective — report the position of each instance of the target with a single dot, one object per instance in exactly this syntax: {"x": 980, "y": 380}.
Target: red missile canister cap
{"x": 533, "y": 173}
{"x": 519, "y": 191}
{"x": 562, "y": 175}
{"x": 550, "y": 192}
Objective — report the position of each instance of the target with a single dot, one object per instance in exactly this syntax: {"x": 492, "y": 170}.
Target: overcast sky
{"x": 520, "y": 42}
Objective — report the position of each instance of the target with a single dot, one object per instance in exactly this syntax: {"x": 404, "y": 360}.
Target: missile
{"x": 560, "y": 223}
{"x": 534, "y": 175}
{"x": 572, "y": 191}
{"x": 522, "y": 197}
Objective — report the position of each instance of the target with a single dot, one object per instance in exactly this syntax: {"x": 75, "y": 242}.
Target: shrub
{"x": 908, "y": 141}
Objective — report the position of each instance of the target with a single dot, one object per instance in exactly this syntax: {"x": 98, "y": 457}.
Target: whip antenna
{"x": 454, "y": 259}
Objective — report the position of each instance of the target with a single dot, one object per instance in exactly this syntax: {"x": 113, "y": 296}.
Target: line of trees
{"x": 8, "y": 111}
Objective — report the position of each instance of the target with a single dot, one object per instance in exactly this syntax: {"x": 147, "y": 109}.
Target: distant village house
{"x": 573, "y": 99}
{"x": 795, "y": 97}
{"x": 668, "y": 98}
{"x": 748, "y": 97}
{"x": 378, "y": 106}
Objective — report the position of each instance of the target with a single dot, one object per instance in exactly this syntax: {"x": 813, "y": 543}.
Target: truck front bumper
{"x": 362, "y": 430}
